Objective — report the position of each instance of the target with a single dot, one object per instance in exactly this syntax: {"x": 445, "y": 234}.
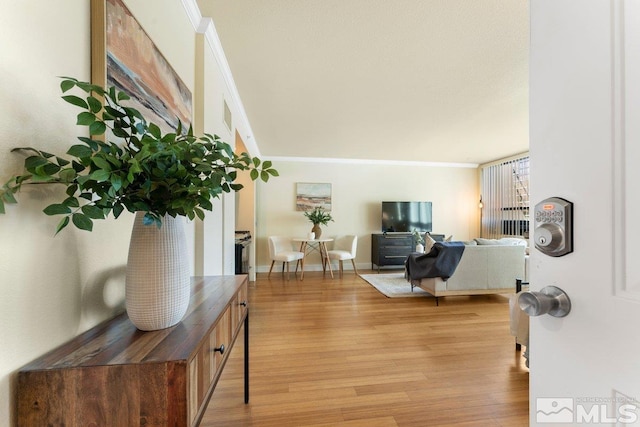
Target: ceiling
{"x": 403, "y": 80}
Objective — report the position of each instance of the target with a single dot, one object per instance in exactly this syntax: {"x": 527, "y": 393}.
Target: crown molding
{"x": 373, "y": 162}
{"x": 205, "y": 26}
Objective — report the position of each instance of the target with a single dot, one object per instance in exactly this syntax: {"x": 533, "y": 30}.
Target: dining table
{"x": 308, "y": 246}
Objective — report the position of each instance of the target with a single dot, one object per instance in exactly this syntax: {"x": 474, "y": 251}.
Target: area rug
{"x": 393, "y": 285}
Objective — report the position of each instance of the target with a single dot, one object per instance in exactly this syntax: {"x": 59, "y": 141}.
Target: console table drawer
{"x": 239, "y": 309}
{"x": 204, "y": 368}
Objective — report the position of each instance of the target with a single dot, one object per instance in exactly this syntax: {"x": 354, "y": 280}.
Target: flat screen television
{"x": 406, "y": 216}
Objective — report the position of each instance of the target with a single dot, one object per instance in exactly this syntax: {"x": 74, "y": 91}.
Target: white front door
{"x": 585, "y": 147}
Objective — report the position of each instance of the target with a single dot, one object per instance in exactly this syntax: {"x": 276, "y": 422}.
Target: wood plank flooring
{"x": 336, "y": 352}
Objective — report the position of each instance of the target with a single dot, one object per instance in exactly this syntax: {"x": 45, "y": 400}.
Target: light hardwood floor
{"x": 335, "y": 352}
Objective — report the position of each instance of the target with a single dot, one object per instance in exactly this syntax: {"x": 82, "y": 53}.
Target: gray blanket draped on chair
{"x": 441, "y": 261}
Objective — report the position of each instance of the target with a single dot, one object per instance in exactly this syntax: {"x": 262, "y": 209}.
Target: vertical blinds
{"x": 505, "y": 199}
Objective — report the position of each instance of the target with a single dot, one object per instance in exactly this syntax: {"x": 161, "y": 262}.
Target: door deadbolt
{"x": 553, "y": 226}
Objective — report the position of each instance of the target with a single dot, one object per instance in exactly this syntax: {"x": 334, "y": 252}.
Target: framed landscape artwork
{"x": 124, "y": 56}
{"x": 313, "y": 195}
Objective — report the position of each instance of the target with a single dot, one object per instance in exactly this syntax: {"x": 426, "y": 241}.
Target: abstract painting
{"x": 313, "y": 195}
{"x": 135, "y": 66}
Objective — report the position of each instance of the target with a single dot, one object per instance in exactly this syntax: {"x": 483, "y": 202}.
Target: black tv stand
{"x": 391, "y": 249}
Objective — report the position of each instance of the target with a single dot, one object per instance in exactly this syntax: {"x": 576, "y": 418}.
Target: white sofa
{"x": 487, "y": 266}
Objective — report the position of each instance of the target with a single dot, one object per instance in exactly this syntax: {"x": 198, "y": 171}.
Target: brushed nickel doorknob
{"x": 550, "y": 300}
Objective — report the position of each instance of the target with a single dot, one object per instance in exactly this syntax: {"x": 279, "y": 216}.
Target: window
{"x": 505, "y": 198}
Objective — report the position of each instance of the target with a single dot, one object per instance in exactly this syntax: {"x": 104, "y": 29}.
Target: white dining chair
{"x": 281, "y": 249}
{"x": 344, "y": 248}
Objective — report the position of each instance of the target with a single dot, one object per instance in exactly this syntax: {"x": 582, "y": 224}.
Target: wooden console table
{"x": 116, "y": 375}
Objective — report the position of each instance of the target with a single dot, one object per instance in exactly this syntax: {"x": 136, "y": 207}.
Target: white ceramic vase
{"x": 420, "y": 248}
{"x": 158, "y": 276}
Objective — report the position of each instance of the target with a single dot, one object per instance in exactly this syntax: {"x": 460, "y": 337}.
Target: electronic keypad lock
{"x": 553, "y": 226}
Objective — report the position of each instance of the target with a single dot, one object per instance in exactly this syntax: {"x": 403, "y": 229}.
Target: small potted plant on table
{"x": 318, "y": 216}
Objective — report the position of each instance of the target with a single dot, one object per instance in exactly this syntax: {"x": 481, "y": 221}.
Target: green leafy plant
{"x": 318, "y": 216}
{"x": 139, "y": 170}
{"x": 418, "y": 237}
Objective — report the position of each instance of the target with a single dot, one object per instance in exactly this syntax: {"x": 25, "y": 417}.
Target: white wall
{"x": 357, "y": 192}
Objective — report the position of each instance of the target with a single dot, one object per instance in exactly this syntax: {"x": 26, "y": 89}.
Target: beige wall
{"x": 52, "y": 288}
{"x": 357, "y": 193}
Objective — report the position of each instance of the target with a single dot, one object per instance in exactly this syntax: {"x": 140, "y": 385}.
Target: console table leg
{"x": 246, "y": 358}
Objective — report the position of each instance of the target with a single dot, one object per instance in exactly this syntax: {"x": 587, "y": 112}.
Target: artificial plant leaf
{"x": 94, "y": 104}
{"x": 92, "y": 143}
{"x": 101, "y": 163}
{"x": 80, "y": 151}
{"x": 57, "y": 209}
{"x": 117, "y": 210}
{"x": 115, "y": 161}
{"x": 61, "y": 161}
{"x": 2, "y": 211}
{"x": 97, "y": 128}
{"x": 8, "y": 197}
{"x": 205, "y": 203}
{"x": 85, "y": 118}
{"x": 72, "y": 202}
{"x": 75, "y": 100}
{"x": 86, "y": 86}
{"x": 120, "y": 133}
{"x": 82, "y": 221}
{"x": 32, "y": 162}
{"x": 155, "y": 130}
{"x": 93, "y": 212}
{"x": 116, "y": 182}
{"x": 66, "y": 84}
{"x": 100, "y": 175}
{"x": 48, "y": 169}
{"x": 71, "y": 189}
{"x": 114, "y": 111}
{"x": 77, "y": 166}
{"x": 62, "y": 224}
{"x": 46, "y": 155}
{"x": 254, "y": 174}
{"x": 67, "y": 175}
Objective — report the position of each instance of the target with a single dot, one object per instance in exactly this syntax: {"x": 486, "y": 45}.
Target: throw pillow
{"x": 448, "y": 239}
{"x": 428, "y": 243}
